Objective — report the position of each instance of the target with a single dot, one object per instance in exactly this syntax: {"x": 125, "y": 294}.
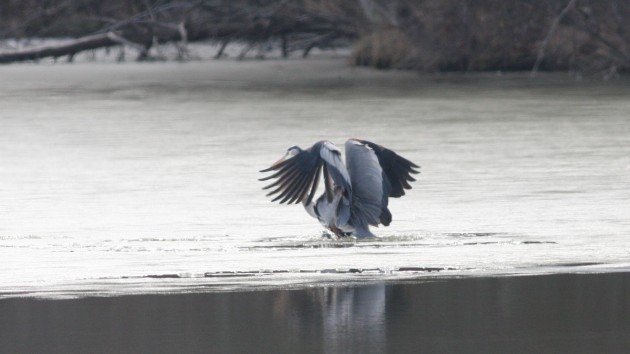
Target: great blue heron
{"x": 356, "y": 194}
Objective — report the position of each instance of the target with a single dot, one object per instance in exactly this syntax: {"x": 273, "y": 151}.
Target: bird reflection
{"x": 346, "y": 318}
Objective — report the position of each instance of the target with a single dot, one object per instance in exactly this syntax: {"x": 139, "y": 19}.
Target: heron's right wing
{"x": 297, "y": 177}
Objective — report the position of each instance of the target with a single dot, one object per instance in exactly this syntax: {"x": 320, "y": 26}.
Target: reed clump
{"x": 386, "y": 49}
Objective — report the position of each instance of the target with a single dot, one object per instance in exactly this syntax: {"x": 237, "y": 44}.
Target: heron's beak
{"x": 275, "y": 164}
{"x": 282, "y": 159}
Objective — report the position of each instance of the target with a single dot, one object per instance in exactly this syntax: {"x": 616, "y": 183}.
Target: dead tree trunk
{"x": 68, "y": 49}
{"x": 182, "y": 45}
{"x": 246, "y": 50}
{"x": 318, "y": 41}
{"x": 224, "y": 44}
{"x": 284, "y": 45}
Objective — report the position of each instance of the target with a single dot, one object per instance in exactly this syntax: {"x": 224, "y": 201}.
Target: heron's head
{"x": 292, "y": 151}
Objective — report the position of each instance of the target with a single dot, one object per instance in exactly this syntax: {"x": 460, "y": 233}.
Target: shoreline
{"x": 542, "y": 313}
{"x": 278, "y": 280}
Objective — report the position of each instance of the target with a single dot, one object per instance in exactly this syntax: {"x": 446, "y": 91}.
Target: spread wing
{"x": 397, "y": 169}
{"x": 376, "y": 173}
{"x": 297, "y": 177}
{"x": 367, "y": 183}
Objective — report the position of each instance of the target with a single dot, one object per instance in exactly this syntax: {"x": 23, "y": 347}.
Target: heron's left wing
{"x": 377, "y": 174}
{"x": 366, "y": 175}
{"x": 397, "y": 169}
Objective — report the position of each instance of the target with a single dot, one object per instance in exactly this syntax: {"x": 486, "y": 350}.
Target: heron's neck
{"x": 310, "y": 208}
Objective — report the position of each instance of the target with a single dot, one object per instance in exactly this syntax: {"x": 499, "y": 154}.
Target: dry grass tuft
{"x": 385, "y": 49}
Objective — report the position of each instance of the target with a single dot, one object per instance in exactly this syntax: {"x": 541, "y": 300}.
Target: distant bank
{"x": 582, "y": 37}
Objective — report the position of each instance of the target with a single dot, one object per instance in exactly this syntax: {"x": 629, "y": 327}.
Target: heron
{"x": 356, "y": 194}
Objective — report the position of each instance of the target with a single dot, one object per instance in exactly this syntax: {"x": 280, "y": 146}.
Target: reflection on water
{"x": 345, "y": 318}
{"x": 556, "y": 313}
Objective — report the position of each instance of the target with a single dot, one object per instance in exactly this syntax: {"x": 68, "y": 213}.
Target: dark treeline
{"x": 591, "y": 36}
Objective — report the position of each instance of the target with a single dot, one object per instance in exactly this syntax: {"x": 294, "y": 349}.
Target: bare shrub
{"x": 383, "y": 50}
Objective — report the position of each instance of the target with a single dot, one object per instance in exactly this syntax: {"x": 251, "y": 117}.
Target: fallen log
{"x": 70, "y": 48}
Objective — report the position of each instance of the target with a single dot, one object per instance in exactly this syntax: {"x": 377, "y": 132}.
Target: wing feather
{"x": 282, "y": 180}
{"x": 289, "y": 191}
{"x": 294, "y": 176}
{"x": 297, "y": 177}
{"x": 366, "y": 175}
{"x": 397, "y": 168}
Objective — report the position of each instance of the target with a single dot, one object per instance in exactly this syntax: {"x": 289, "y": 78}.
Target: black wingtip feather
{"x": 397, "y": 169}
{"x": 386, "y": 217}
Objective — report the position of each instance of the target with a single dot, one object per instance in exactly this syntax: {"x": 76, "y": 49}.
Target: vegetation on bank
{"x": 587, "y": 36}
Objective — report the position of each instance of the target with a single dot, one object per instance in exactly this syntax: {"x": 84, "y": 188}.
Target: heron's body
{"x": 325, "y": 212}
{"x": 355, "y": 194}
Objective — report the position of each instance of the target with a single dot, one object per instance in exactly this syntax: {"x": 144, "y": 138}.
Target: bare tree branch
{"x": 552, "y": 30}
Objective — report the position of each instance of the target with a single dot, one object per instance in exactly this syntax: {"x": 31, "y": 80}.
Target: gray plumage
{"x": 356, "y": 193}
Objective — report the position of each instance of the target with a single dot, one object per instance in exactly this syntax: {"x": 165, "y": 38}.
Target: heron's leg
{"x": 326, "y": 234}
{"x": 337, "y": 231}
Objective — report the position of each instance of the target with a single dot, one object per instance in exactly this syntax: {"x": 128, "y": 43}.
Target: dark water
{"x": 567, "y": 313}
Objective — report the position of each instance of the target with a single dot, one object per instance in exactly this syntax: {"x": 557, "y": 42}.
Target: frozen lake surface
{"x": 143, "y": 177}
